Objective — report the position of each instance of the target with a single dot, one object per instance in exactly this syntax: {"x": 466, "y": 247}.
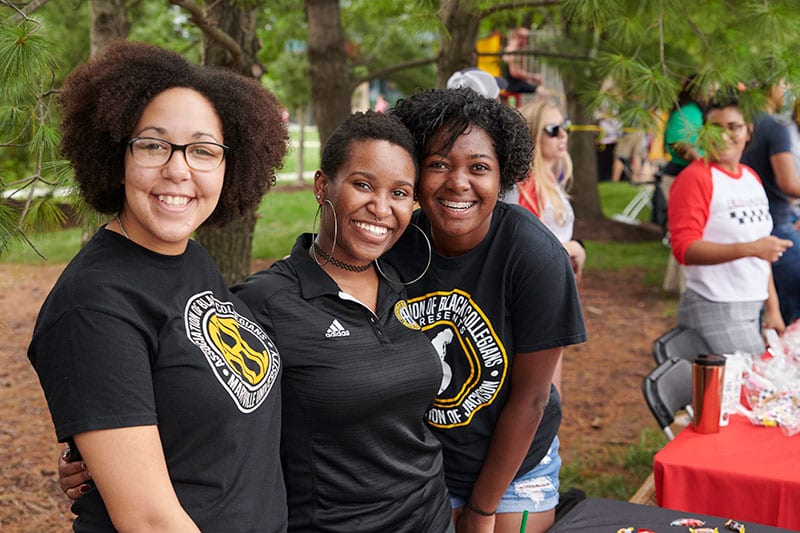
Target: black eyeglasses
{"x": 552, "y": 129}
{"x": 732, "y": 128}
{"x": 150, "y": 152}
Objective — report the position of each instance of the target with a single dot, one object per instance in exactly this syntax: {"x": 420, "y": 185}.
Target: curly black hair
{"x": 103, "y": 99}
{"x": 363, "y": 126}
{"x": 454, "y": 111}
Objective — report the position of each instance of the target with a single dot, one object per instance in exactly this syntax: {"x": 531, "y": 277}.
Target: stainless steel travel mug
{"x": 708, "y": 372}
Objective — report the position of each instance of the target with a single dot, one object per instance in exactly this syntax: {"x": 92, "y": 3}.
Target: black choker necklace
{"x": 335, "y": 262}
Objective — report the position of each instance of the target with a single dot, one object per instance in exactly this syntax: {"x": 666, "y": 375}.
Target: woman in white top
{"x": 544, "y": 191}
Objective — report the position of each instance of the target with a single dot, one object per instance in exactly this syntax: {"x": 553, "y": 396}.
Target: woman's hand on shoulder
{"x": 577, "y": 257}
{"x": 73, "y": 476}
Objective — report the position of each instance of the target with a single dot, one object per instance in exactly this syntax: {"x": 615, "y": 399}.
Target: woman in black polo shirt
{"x": 358, "y": 376}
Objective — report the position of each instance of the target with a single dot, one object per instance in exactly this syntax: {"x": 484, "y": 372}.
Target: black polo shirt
{"x": 357, "y": 454}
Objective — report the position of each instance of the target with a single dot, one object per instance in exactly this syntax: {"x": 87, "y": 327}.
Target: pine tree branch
{"x": 22, "y": 14}
{"x": 517, "y": 5}
{"x": 394, "y": 68}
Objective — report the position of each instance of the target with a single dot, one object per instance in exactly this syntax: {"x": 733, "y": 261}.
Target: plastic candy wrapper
{"x": 688, "y": 522}
{"x": 735, "y": 367}
{"x": 771, "y": 387}
{"x": 733, "y": 525}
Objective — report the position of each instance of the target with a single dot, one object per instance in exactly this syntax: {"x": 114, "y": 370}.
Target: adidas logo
{"x": 337, "y": 330}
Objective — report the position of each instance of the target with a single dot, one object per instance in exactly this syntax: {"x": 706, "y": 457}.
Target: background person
{"x": 680, "y": 138}
{"x": 153, "y": 370}
{"x": 720, "y": 229}
{"x": 519, "y": 79}
{"x": 501, "y": 283}
{"x": 544, "y": 190}
{"x": 479, "y": 81}
{"x": 770, "y": 155}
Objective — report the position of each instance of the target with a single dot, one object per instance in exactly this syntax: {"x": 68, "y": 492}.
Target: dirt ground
{"x": 603, "y": 404}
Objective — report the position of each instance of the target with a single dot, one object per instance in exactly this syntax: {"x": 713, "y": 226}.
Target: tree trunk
{"x": 460, "y": 30}
{"x": 330, "y": 79}
{"x": 301, "y": 144}
{"x": 585, "y": 196}
{"x": 231, "y": 246}
{"x": 108, "y": 21}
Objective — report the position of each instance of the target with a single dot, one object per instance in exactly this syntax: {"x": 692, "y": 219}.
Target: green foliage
{"x": 28, "y": 136}
{"x": 646, "y": 49}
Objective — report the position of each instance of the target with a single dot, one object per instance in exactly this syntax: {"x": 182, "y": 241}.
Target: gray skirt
{"x": 726, "y": 326}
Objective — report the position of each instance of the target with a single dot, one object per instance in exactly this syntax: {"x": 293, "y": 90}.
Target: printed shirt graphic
{"x": 458, "y": 328}
{"x": 243, "y": 359}
{"x": 129, "y": 338}
{"x": 513, "y": 294}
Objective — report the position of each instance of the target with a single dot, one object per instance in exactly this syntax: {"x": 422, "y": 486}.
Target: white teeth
{"x": 173, "y": 200}
{"x": 377, "y": 230}
{"x": 457, "y": 205}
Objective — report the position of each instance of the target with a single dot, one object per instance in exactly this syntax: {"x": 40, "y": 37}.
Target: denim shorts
{"x": 535, "y": 492}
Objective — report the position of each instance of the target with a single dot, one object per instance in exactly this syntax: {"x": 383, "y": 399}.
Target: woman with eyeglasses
{"x": 545, "y": 191}
{"x": 158, "y": 377}
{"x": 720, "y": 230}
{"x": 774, "y": 154}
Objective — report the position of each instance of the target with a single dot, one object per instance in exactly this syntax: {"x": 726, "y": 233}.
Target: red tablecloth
{"x": 746, "y": 472}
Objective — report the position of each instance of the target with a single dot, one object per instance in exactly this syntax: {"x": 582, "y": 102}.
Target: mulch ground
{"x": 603, "y": 404}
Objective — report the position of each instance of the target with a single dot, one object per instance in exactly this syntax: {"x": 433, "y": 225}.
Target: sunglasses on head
{"x": 552, "y": 129}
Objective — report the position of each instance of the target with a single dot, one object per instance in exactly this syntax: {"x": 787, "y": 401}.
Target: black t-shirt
{"x": 357, "y": 454}
{"x": 129, "y": 337}
{"x": 513, "y": 293}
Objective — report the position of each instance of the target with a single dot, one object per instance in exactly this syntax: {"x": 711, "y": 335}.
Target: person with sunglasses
{"x": 159, "y": 378}
{"x": 720, "y": 230}
{"x": 544, "y": 192}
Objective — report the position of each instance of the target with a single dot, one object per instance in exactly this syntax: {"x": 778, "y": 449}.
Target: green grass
{"x": 614, "y": 196}
{"x": 285, "y": 213}
{"x": 613, "y": 472}
{"x": 310, "y": 153}
{"x": 650, "y": 256}
{"x": 57, "y": 247}
{"x": 283, "y": 216}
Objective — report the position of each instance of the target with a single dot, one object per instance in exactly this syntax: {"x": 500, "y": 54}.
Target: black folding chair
{"x": 681, "y": 343}
{"x": 668, "y": 390}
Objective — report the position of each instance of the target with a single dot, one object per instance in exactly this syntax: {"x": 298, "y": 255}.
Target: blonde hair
{"x": 545, "y": 180}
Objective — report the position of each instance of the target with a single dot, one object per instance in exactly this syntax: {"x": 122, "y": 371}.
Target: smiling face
{"x": 164, "y": 206}
{"x": 458, "y": 191}
{"x": 552, "y": 149}
{"x": 373, "y": 196}
{"x": 735, "y": 134}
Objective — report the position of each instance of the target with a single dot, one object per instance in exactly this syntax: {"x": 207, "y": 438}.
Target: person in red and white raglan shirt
{"x": 720, "y": 229}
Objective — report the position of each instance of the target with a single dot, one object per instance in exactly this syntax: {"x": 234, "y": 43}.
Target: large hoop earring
{"x": 427, "y": 266}
{"x": 314, "y": 235}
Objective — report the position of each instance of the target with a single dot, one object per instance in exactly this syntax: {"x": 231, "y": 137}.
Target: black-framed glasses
{"x": 732, "y": 128}
{"x": 552, "y": 129}
{"x": 151, "y": 152}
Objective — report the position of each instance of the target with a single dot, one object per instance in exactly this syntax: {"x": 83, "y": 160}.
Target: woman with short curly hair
{"x": 499, "y": 302}
{"x": 154, "y": 372}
